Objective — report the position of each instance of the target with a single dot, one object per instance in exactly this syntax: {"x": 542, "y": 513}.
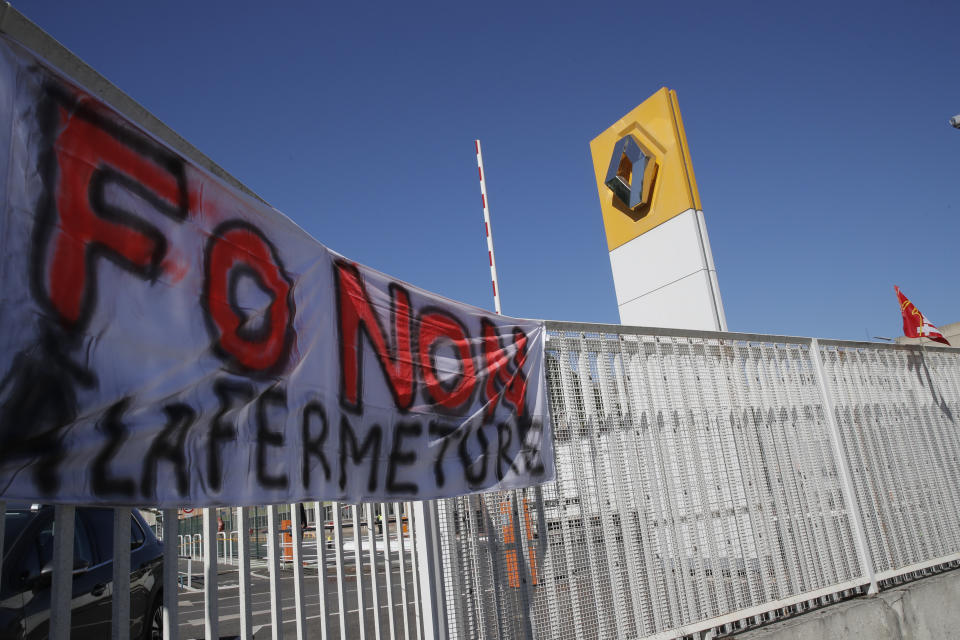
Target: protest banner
{"x": 169, "y": 340}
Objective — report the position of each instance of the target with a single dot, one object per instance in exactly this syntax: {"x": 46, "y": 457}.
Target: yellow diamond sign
{"x": 643, "y": 169}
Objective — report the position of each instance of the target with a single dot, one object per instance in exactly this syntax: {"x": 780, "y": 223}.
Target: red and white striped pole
{"x": 486, "y": 226}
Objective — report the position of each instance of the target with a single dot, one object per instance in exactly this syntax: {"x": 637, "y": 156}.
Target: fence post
{"x": 843, "y": 469}
{"x": 338, "y": 554}
{"x": 171, "y": 571}
{"x": 211, "y": 618}
{"x": 402, "y": 557}
{"x": 296, "y": 527}
{"x": 120, "y": 624}
{"x": 321, "y": 529}
{"x": 391, "y": 616}
{"x": 358, "y": 564}
{"x": 61, "y": 592}
{"x": 243, "y": 550}
{"x": 429, "y": 570}
{"x": 273, "y": 542}
{"x": 415, "y": 564}
{"x": 3, "y": 512}
{"x": 375, "y": 590}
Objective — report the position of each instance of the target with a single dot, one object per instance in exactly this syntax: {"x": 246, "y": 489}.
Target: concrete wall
{"x": 924, "y": 610}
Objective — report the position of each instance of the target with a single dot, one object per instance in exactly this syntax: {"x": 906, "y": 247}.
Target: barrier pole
{"x": 487, "y": 229}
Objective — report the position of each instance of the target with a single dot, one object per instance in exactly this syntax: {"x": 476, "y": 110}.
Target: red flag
{"x": 915, "y": 324}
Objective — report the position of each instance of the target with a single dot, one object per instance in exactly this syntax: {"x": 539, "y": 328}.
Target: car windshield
{"x": 13, "y": 524}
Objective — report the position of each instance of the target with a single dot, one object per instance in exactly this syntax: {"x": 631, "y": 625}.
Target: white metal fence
{"x": 354, "y": 578}
{"x": 704, "y": 481}
{"x": 711, "y": 480}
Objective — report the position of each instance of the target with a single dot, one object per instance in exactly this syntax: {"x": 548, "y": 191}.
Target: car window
{"x": 136, "y": 533}
{"x": 30, "y": 559}
{"x": 43, "y": 543}
{"x": 38, "y": 553}
{"x": 82, "y": 548}
{"x": 13, "y": 524}
{"x": 100, "y": 521}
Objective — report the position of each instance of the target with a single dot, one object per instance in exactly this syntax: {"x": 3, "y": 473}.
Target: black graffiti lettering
{"x": 400, "y": 457}
{"x": 348, "y": 446}
{"x": 503, "y": 428}
{"x": 38, "y": 400}
{"x": 444, "y": 433}
{"x": 265, "y": 437}
{"x": 314, "y": 446}
{"x": 532, "y": 452}
{"x": 102, "y": 481}
{"x": 169, "y": 445}
{"x": 473, "y": 477}
{"x": 232, "y": 395}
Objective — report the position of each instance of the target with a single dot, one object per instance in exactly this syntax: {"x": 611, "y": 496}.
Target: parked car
{"x": 25, "y": 582}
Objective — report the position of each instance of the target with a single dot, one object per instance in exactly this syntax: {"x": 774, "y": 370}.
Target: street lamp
{"x": 955, "y": 121}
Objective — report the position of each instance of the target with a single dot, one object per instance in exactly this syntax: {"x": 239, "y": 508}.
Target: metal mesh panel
{"x": 898, "y": 410}
{"x": 695, "y": 484}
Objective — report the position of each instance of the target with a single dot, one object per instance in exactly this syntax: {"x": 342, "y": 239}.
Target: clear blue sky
{"x": 819, "y": 137}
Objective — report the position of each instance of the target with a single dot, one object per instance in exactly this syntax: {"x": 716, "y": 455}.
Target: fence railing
{"x": 711, "y": 479}
{"x": 704, "y": 481}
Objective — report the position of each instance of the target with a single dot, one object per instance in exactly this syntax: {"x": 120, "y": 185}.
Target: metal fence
{"x": 705, "y": 481}
{"x": 897, "y": 412}
{"x": 352, "y": 577}
{"x": 711, "y": 481}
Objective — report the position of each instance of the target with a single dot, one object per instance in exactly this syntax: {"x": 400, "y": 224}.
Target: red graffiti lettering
{"x": 91, "y": 153}
{"x": 237, "y": 249}
{"x": 356, "y": 313}
{"x": 435, "y": 327}
{"x": 500, "y": 382}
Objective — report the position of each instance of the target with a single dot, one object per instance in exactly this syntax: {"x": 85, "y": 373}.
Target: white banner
{"x": 169, "y": 341}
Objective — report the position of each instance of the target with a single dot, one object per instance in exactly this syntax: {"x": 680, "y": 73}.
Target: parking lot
{"x": 191, "y": 601}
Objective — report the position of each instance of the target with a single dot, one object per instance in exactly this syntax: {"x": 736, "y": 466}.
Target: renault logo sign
{"x": 643, "y": 169}
{"x": 631, "y": 173}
